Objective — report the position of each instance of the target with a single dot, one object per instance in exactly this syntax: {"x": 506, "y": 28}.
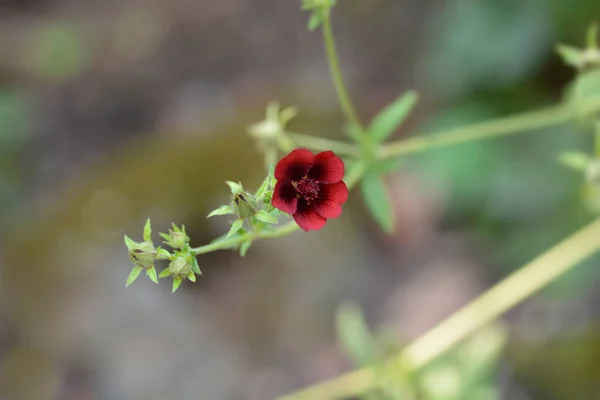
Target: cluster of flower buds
{"x": 253, "y": 212}
{"x": 182, "y": 262}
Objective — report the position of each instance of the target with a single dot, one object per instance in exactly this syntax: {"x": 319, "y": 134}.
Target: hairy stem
{"x": 490, "y": 305}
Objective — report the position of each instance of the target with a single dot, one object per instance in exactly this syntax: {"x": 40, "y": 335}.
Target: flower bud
{"x": 242, "y": 203}
{"x": 177, "y": 238}
{"x": 180, "y": 266}
{"x": 142, "y": 254}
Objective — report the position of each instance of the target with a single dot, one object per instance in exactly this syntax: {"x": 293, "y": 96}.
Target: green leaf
{"x": 176, "y": 283}
{"x": 133, "y": 275}
{"x": 148, "y": 231}
{"x": 570, "y": 55}
{"x": 151, "y": 273}
{"x": 378, "y": 201}
{"x": 386, "y": 166}
{"x": 355, "y": 337}
{"x": 192, "y": 277}
{"x": 244, "y": 247}
{"x": 575, "y": 160}
{"x": 391, "y": 117}
{"x": 237, "y": 224}
{"x": 164, "y": 273}
{"x": 223, "y": 210}
{"x": 130, "y": 243}
{"x": 195, "y": 266}
{"x": 266, "y": 217}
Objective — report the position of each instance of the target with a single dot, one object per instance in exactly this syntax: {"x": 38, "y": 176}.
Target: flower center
{"x": 308, "y": 189}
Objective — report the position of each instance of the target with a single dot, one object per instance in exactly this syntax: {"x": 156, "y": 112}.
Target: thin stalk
{"x": 477, "y": 314}
{"x": 336, "y": 75}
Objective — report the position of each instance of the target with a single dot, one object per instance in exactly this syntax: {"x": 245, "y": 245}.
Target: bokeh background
{"x": 115, "y": 110}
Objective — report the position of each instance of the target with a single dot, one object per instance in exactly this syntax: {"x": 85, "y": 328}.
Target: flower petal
{"x": 336, "y": 192}
{"x": 327, "y": 168}
{"x": 284, "y": 197}
{"x": 307, "y": 218}
{"x": 327, "y": 208}
{"x": 295, "y": 165}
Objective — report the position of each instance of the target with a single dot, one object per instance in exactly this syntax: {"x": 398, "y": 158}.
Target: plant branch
{"x": 486, "y": 130}
{"x": 490, "y": 305}
{"x": 336, "y": 75}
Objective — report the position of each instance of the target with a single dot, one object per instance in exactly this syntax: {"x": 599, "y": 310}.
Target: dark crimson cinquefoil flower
{"x": 310, "y": 187}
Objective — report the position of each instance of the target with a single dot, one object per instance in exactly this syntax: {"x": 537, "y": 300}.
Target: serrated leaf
{"x": 148, "y": 231}
{"x": 570, "y": 55}
{"x": 151, "y": 273}
{"x": 192, "y": 277}
{"x": 133, "y": 275}
{"x": 386, "y": 166}
{"x": 164, "y": 273}
{"x": 237, "y": 224}
{"x": 574, "y": 160}
{"x": 222, "y": 210}
{"x": 244, "y": 247}
{"x": 266, "y": 217}
{"x": 130, "y": 243}
{"x": 355, "y": 337}
{"x": 390, "y": 118}
{"x": 378, "y": 201}
{"x": 176, "y": 283}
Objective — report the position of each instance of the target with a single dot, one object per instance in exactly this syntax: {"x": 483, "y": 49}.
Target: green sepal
{"x": 176, "y": 283}
{"x": 235, "y": 187}
{"x": 223, "y": 210}
{"x": 165, "y": 236}
{"x": 148, "y": 231}
{"x": 244, "y": 247}
{"x": 235, "y": 226}
{"x": 164, "y": 273}
{"x": 391, "y": 117}
{"x": 133, "y": 275}
{"x": 162, "y": 254}
{"x": 267, "y": 184}
{"x": 130, "y": 243}
{"x": 196, "y": 267}
{"x": 192, "y": 277}
{"x": 151, "y": 273}
{"x": 378, "y": 201}
{"x": 266, "y": 217}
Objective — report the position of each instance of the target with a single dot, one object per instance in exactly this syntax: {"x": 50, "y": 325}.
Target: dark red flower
{"x": 310, "y": 187}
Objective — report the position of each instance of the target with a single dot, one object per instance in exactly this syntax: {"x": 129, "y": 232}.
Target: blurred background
{"x": 113, "y": 111}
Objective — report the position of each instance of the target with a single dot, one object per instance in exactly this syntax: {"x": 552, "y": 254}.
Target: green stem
{"x": 500, "y": 127}
{"x": 317, "y": 143}
{"x": 505, "y": 126}
{"x": 490, "y": 305}
{"x": 336, "y": 75}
